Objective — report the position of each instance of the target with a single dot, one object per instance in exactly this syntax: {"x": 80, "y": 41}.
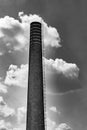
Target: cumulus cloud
{"x": 53, "y": 108}
{"x": 61, "y": 76}
{"x": 30, "y": 18}
{"x": 59, "y": 66}
{"x": 17, "y": 129}
{"x": 63, "y": 126}
{"x": 51, "y": 125}
{"x": 17, "y": 76}
{"x": 21, "y": 118}
{"x": 3, "y": 88}
{"x": 5, "y": 125}
{"x": 5, "y": 110}
{"x": 20, "y": 128}
{"x": 57, "y": 71}
{"x": 14, "y": 34}
{"x": 21, "y": 115}
{"x": 49, "y": 34}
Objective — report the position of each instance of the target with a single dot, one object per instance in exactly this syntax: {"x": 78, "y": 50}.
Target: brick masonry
{"x": 35, "y": 100}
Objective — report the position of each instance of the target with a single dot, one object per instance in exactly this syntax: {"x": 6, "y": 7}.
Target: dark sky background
{"x": 69, "y": 17}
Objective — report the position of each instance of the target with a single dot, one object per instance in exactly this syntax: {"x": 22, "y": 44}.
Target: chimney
{"x": 35, "y": 98}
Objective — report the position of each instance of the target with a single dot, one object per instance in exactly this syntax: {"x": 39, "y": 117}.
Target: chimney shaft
{"x": 35, "y": 100}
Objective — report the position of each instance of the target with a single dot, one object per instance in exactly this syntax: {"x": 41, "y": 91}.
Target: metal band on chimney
{"x": 35, "y": 33}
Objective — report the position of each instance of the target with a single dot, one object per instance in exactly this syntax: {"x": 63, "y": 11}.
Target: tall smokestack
{"x": 35, "y": 101}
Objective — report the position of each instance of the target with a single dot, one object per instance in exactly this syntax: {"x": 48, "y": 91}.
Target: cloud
{"x": 17, "y": 129}
{"x": 30, "y": 18}
{"x": 50, "y": 36}
{"x": 14, "y": 34}
{"x": 51, "y": 125}
{"x": 17, "y": 76}
{"x": 20, "y": 128}
{"x": 5, "y": 125}
{"x": 5, "y": 110}
{"x": 60, "y": 76}
{"x": 3, "y": 88}
{"x": 21, "y": 115}
{"x": 1, "y": 53}
{"x": 53, "y": 108}
{"x": 58, "y": 73}
{"x": 59, "y": 66}
{"x": 63, "y": 126}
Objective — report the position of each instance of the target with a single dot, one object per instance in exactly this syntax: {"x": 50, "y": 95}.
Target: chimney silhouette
{"x": 35, "y": 99}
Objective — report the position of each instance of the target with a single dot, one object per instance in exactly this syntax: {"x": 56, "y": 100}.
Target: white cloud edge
{"x": 3, "y": 88}
{"x": 19, "y": 39}
{"x": 17, "y": 76}
{"x": 51, "y": 125}
{"x": 59, "y": 66}
{"x": 5, "y": 110}
{"x": 53, "y": 108}
{"x": 21, "y": 115}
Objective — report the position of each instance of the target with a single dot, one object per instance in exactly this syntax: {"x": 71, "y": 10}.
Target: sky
{"x": 65, "y": 38}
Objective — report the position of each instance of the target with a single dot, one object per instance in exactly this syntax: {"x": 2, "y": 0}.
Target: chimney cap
{"x": 35, "y": 23}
